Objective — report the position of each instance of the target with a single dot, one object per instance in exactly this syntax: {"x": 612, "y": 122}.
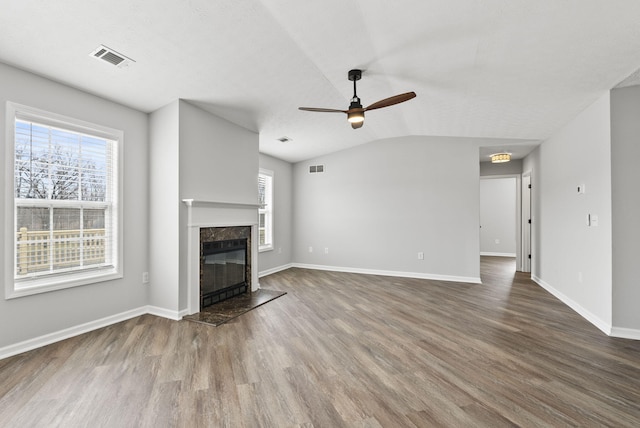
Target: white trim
{"x": 274, "y": 270}
{"x": 166, "y": 313}
{"x": 625, "y": 333}
{"x": 269, "y": 213}
{"x": 56, "y": 336}
{"x": 219, "y": 204}
{"x": 486, "y": 253}
{"x": 47, "y": 339}
{"x": 215, "y": 214}
{"x": 9, "y": 165}
{"x": 526, "y": 243}
{"x": 418, "y": 275}
{"x": 62, "y": 281}
{"x": 224, "y": 224}
{"x": 15, "y": 288}
{"x": 66, "y": 333}
{"x": 584, "y": 313}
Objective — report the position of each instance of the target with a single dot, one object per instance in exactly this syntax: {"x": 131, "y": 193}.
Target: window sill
{"x": 31, "y": 287}
{"x": 265, "y": 248}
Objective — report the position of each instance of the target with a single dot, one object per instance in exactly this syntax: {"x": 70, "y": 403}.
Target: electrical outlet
{"x": 420, "y": 255}
{"x": 145, "y": 277}
{"x": 497, "y": 241}
{"x": 279, "y": 250}
{"x": 311, "y": 249}
{"x": 326, "y": 250}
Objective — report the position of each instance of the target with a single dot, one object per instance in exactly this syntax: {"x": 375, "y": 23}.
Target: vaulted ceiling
{"x": 513, "y": 71}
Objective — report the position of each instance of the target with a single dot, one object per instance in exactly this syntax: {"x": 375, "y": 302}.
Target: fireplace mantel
{"x": 221, "y": 204}
{"x": 203, "y": 213}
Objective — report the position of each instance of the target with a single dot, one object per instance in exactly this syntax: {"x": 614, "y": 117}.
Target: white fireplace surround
{"x": 202, "y": 214}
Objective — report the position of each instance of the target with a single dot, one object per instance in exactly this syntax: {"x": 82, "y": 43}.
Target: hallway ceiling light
{"x": 500, "y": 157}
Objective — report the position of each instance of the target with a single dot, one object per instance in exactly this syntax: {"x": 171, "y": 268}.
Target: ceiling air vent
{"x": 284, "y": 139}
{"x": 112, "y": 57}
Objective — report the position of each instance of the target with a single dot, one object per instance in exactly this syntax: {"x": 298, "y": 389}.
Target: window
{"x": 64, "y": 200}
{"x": 265, "y": 212}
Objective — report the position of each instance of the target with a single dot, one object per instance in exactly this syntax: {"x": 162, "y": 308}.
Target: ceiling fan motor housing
{"x": 355, "y": 75}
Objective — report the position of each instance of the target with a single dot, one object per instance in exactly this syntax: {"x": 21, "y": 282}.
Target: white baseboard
{"x": 66, "y": 333}
{"x": 166, "y": 313}
{"x": 47, "y": 339}
{"x": 593, "y": 319}
{"x": 418, "y": 275}
{"x": 625, "y": 333}
{"x": 274, "y": 270}
{"x": 486, "y": 253}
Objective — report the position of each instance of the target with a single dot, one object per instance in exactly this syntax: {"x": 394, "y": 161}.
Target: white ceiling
{"x": 510, "y": 70}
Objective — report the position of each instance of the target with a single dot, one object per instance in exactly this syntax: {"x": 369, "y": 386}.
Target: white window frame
{"x": 267, "y": 210}
{"x": 15, "y": 288}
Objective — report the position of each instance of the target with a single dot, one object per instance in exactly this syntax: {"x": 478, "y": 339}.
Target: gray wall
{"x": 282, "y": 254}
{"x": 218, "y": 159}
{"x": 513, "y": 167}
{"x": 571, "y": 259}
{"x": 377, "y": 205}
{"x": 498, "y": 216}
{"x": 31, "y": 316}
{"x": 164, "y": 247}
{"x": 625, "y": 177}
{"x": 198, "y": 156}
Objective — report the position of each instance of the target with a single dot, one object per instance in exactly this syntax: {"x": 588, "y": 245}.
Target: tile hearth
{"x": 233, "y": 307}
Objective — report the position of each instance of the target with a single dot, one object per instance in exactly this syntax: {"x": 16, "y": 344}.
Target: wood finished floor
{"x": 341, "y": 350}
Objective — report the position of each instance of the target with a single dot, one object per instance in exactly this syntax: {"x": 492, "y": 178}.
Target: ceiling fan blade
{"x": 357, "y": 125}
{"x": 396, "y": 99}
{"x": 322, "y": 110}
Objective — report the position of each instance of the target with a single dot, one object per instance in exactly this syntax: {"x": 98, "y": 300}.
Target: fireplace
{"x": 225, "y": 263}
{"x": 209, "y": 221}
{"x": 224, "y": 270}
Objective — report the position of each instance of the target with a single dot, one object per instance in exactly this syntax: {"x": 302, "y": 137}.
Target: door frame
{"x": 527, "y": 222}
{"x": 518, "y": 213}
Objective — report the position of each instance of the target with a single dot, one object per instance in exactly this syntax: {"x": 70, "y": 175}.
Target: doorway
{"x": 501, "y": 217}
{"x": 498, "y": 219}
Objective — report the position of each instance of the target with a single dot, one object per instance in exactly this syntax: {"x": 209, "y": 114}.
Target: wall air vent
{"x": 315, "y": 169}
{"x": 112, "y": 57}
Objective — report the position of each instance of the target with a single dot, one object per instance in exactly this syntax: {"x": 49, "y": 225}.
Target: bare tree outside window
{"x": 52, "y": 165}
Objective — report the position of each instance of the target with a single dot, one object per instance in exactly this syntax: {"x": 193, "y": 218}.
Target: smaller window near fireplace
{"x": 223, "y": 270}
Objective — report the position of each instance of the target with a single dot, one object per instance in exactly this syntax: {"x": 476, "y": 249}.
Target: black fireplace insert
{"x": 223, "y": 270}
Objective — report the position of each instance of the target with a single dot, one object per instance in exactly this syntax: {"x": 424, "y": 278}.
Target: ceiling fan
{"x": 355, "y": 113}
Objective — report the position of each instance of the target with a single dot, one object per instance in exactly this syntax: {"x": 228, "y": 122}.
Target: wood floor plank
{"x": 341, "y": 350}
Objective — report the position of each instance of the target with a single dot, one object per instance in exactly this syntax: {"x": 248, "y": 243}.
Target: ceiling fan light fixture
{"x": 355, "y": 116}
{"x": 500, "y": 157}
{"x": 355, "y": 113}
